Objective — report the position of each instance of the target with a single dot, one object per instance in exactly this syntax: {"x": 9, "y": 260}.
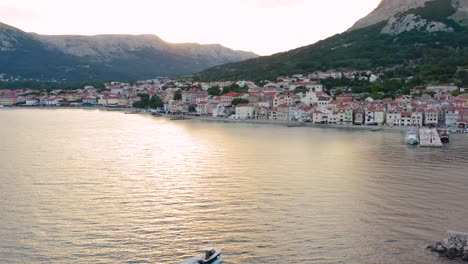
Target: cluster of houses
{"x": 316, "y": 106}
{"x": 280, "y": 101}
{"x": 8, "y": 78}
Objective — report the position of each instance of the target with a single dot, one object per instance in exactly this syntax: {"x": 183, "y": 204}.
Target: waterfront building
{"x": 393, "y": 119}
{"x": 134, "y": 99}
{"x": 406, "y": 119}
{"x": 358, "y": 116}
{"x": 318, "y": 117}
{"x": 379, "y": 117}
{"x": 451, "y": 117}
{"x": 417, "y": 118}
{"x": 273, "y": 115}
{"x": 333, "y": 118}
{"x": 283, "y": 113}
{"x": 122, "y": 102}
{"x": 245, "y": 111}
{"x": 32, "y": 102}
{"x": 431, "y": 117}
{"x": 369, "y": 116}
{"x": 348, "y": 116}
{"x": 219, "y": 110}
{"x": 89, "y": 100}
{"x": 6, "y": 100}
{"x": 176, "y": 107}
{"x": 345, "y": 116}
{"x": 202, "y": 108}
{"x": 262, "y": 113}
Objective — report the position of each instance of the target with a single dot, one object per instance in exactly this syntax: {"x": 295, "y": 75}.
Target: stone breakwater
{"x": 453, "y": 247}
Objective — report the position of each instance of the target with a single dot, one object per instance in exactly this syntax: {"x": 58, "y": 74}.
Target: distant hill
{"x": 424, "y": 36}
{"x": 105, "y": 57}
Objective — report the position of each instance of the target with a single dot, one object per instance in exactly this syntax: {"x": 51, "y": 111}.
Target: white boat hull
{"x": 196, "y": 260}
{"x": 412, "y": 138}
{"x": 412, "y": 141}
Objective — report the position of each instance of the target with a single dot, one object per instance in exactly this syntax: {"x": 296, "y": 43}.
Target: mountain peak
{"x": 386, "y": 10}
{"x": 104, "y": 57}
{"x": 419, "y": 15}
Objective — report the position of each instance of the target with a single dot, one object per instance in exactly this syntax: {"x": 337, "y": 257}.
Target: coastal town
{"x": 298, "y": 98}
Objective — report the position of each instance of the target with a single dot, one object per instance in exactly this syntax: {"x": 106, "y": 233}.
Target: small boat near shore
{"x": 211, "y": 256}
{"x": 133, "y": 112}
{"x": 375, "y": 129}
{"x": 412, "y": 138}
{"x": 295, "y": 125}
{"x": 444, "y": 136}
{"x": 179, "y": 118}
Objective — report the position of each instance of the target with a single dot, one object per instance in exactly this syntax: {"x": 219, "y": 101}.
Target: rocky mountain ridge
{"x": 411, "y": 22}
{"x": 106, "y": 56}
{"x": 107, "y": 46}
{"x": 401, "y": 16}
{"x": 411, "y": 37}
{"x": 385, "y": 10}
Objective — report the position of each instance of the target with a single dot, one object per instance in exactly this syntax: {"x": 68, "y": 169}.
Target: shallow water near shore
{"x": 89, "y": 186}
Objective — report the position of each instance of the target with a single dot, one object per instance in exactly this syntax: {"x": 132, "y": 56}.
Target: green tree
{"x": 237, "y": 101}
{"x": 300, "y": 89}
{"x": 178, "y": 95}
{"x": 143, "y": 103}
{"x": 155, "y": 102}
{"x": 215, "y": 90}
{"x": 462, "y": 78}
{"x": 235, "y": 88}
{"x": 192, "y": 108}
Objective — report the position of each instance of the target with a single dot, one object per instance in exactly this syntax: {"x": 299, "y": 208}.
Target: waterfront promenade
{"x": 221, "y": 119}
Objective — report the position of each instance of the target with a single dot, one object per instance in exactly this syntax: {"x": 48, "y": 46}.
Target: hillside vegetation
{"x": 434, "y": 56}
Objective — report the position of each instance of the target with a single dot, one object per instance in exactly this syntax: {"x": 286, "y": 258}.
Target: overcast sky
{"x": 261, "y": 26}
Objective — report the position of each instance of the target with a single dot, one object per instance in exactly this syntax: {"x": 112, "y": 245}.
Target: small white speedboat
{"x": 211, "y": 256}
{"x": 412, "y": 138}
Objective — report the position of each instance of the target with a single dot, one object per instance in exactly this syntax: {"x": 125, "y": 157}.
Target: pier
{"x": 428, "y": 137}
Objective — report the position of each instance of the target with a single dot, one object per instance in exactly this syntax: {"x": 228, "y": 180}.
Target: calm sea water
{"x": 88, "y": 186}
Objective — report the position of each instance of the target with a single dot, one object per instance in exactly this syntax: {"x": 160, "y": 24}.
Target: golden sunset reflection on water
{"x": 88, "y": 186}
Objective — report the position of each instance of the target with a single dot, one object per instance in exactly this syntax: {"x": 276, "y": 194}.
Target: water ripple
{"x": 102, "y": 187}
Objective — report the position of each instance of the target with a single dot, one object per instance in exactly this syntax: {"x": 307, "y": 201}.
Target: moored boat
{"x": 133, "y": 112}
{"x": 211, "y": 256}
{"x": 175, "y": 118}
{"x": 412, "y": 138}
{"x": 444, "y": 137}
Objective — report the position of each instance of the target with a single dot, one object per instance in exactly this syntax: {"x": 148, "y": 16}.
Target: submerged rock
{"x": 455, "y": 246}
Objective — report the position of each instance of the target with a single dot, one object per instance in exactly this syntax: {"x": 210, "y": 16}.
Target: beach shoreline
{"x": 291, "y": 124}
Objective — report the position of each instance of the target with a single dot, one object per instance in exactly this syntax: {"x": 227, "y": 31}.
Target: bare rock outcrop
{"x": 455, "y": 246}
{"x": 386, "y": 10}
{"x": 461, "y": 16}
{"x": 412, "y": 22}
{"x": 389, "y": 9}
